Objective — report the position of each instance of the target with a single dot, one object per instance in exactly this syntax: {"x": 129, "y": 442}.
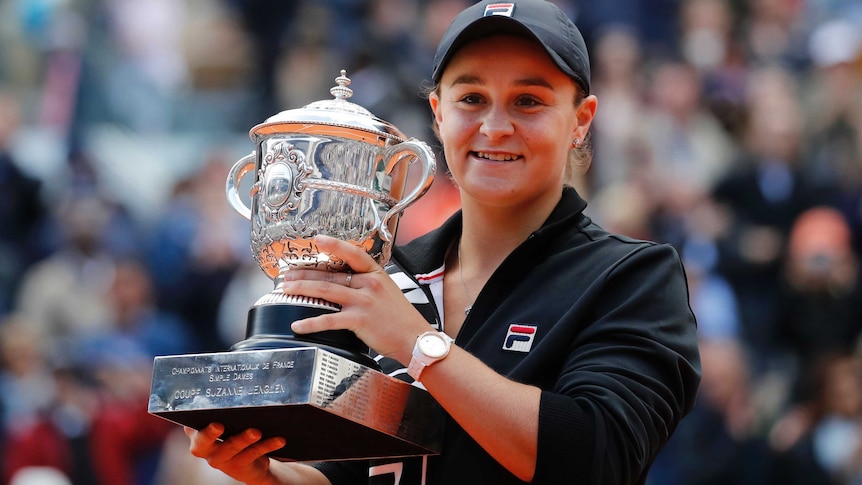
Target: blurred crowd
{"x": 731, "y": 129}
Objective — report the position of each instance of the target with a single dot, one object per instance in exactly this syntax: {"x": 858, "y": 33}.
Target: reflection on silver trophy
{"x": 329, "y": 168}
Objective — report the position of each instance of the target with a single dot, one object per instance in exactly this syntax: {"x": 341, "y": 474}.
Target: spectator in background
{"x": 267, "y": 25}
{"x": 774, "y": 33}
{"x": 834, "y": 100}
{"x": 136, "y": 322}
{"x": 618, "y": 140}
{"x": 687, "y": 149}
{"x": 820, "y": 306}
{"x": 626, "y": 208}
{"x": 22, "y": 210}
{"x": 763, "y": 195}
{"x": 709, "y": 41}
{"x": 386, "y": 66}
{"x": 706, "y": 34}
{"x": 819, "y": 441}
{"x": 26, "y": 374}
{"x": 654, "y": 22}
{"x": 64, "y": 295}
{"x": 195, "y": 249}
{"x": 150, "y": 71}
{"x": 712, "y": 298}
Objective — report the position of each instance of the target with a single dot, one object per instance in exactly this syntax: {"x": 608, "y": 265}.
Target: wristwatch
{"x": 430, "y": 347}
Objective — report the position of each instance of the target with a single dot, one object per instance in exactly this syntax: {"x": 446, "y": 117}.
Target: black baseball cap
{"x": 538, "y": 19}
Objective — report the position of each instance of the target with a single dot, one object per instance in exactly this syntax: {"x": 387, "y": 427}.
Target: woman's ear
{"x": 586, "y": 113}
{"x": 434, "y": 101}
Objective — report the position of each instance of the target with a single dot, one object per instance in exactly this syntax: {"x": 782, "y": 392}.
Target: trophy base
{"x": 268, "y": 327}
{"x": 328, "y": 407}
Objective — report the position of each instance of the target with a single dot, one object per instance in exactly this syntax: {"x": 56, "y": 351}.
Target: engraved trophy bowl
{"x": 329, "y": 168}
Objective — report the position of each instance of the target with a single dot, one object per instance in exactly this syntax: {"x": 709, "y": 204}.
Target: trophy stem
{"x": 269, "y": 328}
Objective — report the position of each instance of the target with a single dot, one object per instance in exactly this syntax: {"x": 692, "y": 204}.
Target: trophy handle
{"x": 240, "y": 168}
{"x": 410, "y": 149}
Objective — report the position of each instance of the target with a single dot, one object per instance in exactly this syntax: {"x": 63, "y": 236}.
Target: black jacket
{"x": 601, "y": 323}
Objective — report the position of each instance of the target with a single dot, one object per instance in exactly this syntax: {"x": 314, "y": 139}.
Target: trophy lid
{"x": 334, "y": 117}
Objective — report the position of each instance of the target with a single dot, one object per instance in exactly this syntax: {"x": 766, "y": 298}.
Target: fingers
{"x": 242, "y": 456}
{"x": 236, "y": 451}
{"x": 357, "y": 260}
{"x": 328, "y": 285}
{"x": 355, "y": 257}
{"x": 339, "y": 278}
{"x": 243, "y": 449}
{"x": 347, "y": 280}
{"x": 203, "y": 441}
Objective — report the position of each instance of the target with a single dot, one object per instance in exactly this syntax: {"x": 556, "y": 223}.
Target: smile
{"x": 496, "y": 157}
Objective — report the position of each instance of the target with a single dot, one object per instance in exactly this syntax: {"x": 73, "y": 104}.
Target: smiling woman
{"x": 568, "y": 363}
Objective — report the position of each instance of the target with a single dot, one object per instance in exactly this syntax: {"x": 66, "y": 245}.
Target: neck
{"x": 489, "y": 234}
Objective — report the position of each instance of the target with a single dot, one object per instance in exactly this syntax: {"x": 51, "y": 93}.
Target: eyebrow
{"x": 526, "y": 82}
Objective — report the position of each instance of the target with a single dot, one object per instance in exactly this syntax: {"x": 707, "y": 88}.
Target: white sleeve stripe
{"x": 416, "y": 296}
{"x": 403, "y": 281}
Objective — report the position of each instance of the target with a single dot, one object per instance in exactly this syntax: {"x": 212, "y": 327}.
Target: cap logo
{"x": 503, "y": 9}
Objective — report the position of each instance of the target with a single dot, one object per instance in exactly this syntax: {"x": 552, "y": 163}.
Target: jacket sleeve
{"x": 630, "y": 375}
{"x": 344, "y": 472}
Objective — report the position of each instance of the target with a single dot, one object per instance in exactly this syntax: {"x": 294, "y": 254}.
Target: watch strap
{"x": 415, "y": 368}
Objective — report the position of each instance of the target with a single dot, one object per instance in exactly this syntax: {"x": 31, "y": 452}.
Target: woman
{"x": 575, "y": 351}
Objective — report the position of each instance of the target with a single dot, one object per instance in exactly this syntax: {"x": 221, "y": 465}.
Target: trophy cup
{"x": 330, "y": 168}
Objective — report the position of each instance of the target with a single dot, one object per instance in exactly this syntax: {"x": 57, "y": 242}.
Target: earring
{"x": 576, "y": 143}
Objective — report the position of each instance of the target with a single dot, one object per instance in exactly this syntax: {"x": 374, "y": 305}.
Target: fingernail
{"x": 253, "y": 434}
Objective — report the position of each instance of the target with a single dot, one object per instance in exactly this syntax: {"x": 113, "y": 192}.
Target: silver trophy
{"x": 329, "y": 168}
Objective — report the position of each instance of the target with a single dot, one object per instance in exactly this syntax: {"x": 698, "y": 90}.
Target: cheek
{"x": 550, "y": 146}
{"x": 453, "y": 129}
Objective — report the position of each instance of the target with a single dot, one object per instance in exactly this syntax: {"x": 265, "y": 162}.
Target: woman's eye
{"x": 528, "y": 102}
{"x": 471, "y": 99}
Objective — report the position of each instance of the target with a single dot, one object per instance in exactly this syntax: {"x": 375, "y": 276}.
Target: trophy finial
{"x": 341, "y": 91}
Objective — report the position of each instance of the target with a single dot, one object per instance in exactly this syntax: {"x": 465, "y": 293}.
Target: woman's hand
{"x": 373, "y": 306}
{"x": 242, "y": 456}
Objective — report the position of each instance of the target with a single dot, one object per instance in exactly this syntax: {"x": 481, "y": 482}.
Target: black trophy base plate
{"x": 311, "y": 433}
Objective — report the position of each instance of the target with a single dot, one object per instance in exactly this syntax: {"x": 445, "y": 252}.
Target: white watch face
{"x": 432, "y": 345}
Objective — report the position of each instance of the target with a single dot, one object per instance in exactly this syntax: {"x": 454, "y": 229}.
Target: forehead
{"x": 504, "y": 54}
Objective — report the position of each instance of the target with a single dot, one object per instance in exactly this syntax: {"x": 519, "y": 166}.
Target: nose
{"x": 496, "y": 123}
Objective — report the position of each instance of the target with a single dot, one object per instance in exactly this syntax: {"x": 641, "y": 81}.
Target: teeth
{"x": 496, "y": 157}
